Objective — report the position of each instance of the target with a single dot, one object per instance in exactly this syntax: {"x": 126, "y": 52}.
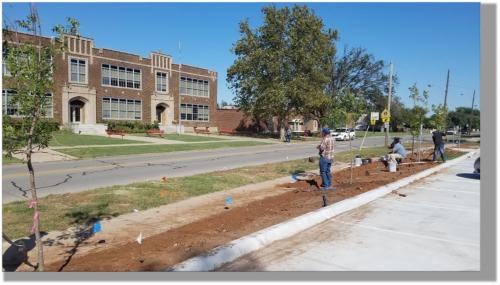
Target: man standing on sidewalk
{"x": 437, "y": 138}
{"x": 326, "y": 159}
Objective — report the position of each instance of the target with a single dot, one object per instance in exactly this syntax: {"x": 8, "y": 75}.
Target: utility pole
{"x": 445, "y": 100}
{"x": 446, "y": 90}
{"x": 389, "y": 105}
{"x": 471, "y": 112}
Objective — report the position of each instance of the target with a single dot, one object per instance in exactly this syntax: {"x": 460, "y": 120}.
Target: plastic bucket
{"x": 392, "y": 166}
{"x": 357, "y": 161}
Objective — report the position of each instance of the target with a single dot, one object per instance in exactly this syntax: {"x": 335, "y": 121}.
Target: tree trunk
{"x": 29, "y": 152}
{"x": 413, "y": 144}
{"x": 281, "y": 126}
{"x": 352, "y": 158}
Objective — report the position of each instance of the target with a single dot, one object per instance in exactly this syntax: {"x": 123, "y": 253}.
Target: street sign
{"x": 386, "y": 125}
{"x": 374, "y": 116}
{"x": 386, "y": 116}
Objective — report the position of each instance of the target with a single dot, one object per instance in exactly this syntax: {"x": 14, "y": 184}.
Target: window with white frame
{"x": 5, "y": 70}
{"x": 161, "y": 81}
{"x": 78, "y": 70}
{"x": 193, "y": 112}
{"x": 11, "y": 108}
{"x": 194, "y": 87}
{"x": 118, "y": 76}
{"x": 121, "y": 109}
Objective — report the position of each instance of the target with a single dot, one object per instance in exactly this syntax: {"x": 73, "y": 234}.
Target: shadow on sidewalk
{"x": 470, "y": 175}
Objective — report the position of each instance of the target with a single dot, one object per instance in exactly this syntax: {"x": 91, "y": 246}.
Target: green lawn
{"x": 186, "y": 138}
{"x": 66, "y": 138}
{"x": 89, "y": 152}
{"x": 10, "y": 160}
{"x": 361, "y": 134}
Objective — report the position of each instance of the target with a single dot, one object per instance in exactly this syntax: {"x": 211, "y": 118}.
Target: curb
{"x": 244, "y": 245}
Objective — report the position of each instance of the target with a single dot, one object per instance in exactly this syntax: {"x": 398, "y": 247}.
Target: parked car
{"x": 451, "y": 132}
{"x": 343, "y": 134}
{"x": 477, "y": 165}
{"x": 360, "y": 127}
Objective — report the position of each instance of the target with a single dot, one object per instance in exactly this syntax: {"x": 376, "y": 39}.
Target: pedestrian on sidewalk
{"x": 437, "y": 138}
{"x": 398, "y": 151}
{"x": 288, "y": 135}
{"x": 326, "y": 159}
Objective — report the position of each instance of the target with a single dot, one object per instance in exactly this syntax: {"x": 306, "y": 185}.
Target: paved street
{"x": 435, "y": 227}
{"x": 80, "y": 175}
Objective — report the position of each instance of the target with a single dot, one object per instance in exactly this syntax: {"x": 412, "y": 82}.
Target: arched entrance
{"x": 161, "y": 113}
{"x": 76, "y": 111}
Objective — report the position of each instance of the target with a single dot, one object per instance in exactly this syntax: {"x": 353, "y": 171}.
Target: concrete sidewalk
{"x": 432, "y": 226}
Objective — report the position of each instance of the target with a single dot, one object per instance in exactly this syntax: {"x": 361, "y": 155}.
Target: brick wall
{"x": 99, "y": 56}
{"x": 235, "y": 120}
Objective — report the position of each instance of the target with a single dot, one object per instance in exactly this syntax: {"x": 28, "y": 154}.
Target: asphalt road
{"x": 80, "y": 175}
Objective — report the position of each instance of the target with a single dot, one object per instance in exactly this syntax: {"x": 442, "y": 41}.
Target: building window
{"x": 193, "y": 112}
{"x": 194, "y": 87}
{"x": 5, "y": 70}
{"x": 78, "y": 70}
{"x": 12, "y": 109}
{"x": 161, "y": 82}
{"x": 121, "y": 109}
{"x": 118, "y": 76}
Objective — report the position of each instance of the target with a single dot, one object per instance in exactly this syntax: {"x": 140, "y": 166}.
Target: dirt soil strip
{"x": 170, "y": 247}
{"x": 63, "y": 246}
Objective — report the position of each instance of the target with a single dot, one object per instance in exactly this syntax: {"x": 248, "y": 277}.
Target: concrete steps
{"x": 89, "y": 129}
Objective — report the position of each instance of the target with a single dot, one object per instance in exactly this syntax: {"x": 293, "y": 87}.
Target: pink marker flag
{"x": 32, "y": 204}
{"x": 36, "y": 217}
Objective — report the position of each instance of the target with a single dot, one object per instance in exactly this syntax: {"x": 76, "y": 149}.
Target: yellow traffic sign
{"x": 386, "y": 120}
{"x": 372, "y": 121}
{"x": 385, "y": 114}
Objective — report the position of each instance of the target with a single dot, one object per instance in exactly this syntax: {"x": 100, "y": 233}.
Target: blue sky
{"x": 422, "y": 39}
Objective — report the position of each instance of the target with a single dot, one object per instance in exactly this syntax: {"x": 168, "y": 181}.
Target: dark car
{"x": 477, "y": 165}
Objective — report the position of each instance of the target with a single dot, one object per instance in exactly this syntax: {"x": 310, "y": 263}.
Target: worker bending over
{"x": 398, "y": 151}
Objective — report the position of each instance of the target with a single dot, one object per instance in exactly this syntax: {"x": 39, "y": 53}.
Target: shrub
{"x": 131, "y": 126}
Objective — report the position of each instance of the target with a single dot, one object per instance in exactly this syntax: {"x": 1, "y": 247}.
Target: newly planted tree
{"x": 417, "y": 115}
{"x": 31, "y": 68}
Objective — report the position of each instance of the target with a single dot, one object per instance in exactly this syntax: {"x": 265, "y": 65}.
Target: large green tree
{"x": 282, "y": 67}
{"x": 31, "y": 67}
{"x": 463, "y": 116}
{"x": 367, "y": 77}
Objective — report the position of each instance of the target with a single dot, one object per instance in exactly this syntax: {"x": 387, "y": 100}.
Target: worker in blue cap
{"x": 326, "y": 159}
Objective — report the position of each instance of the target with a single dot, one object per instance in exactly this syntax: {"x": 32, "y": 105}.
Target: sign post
{"x": 386, "y": 118}
{"x": 374, "y": 117}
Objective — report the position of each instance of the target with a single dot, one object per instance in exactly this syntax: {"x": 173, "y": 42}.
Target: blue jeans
{"x": 324, "y": 169}
{"x": 439, "y": 149}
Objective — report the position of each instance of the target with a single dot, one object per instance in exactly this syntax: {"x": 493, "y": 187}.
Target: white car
{"x": 343, "y": 134}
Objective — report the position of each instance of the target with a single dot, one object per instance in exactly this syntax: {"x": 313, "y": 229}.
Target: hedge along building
{"x": 95, "y": 85}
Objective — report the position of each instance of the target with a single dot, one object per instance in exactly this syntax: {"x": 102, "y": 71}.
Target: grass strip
{"x": 90, "y": 152}
{"x": 185, "y": 138}
{"x": 65, "y": 138}
{"x": 10, "y": 160}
